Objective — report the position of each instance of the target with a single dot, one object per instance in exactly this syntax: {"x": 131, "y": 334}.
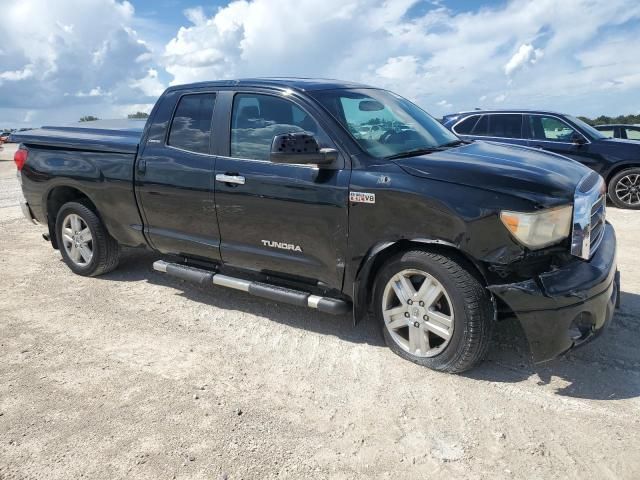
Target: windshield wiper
{"x": 452, "y": 144}
{"x": 414, "y": 153}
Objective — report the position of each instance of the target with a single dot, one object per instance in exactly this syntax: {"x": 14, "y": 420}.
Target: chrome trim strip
{"x": 313, "y": 301}
{"x": 453, "y": 127}
{"x": 237, "y": 179}
{"x": 230, "y": 282}
{"x": 160, "y": 266}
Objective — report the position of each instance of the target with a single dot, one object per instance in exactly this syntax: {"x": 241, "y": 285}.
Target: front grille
{"x": 588, "y": 182}
{"x": 589, "y": 209}
{"x": 597, "y": 223}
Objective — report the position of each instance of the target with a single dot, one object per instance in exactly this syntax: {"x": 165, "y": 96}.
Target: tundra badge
{"x": 281, "y": 245}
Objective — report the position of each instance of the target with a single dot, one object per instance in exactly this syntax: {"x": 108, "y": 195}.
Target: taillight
{"x": 20, "y": 157}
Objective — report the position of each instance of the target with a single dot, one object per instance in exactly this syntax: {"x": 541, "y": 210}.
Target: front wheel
{"x": 84, "y": 242}
{"x": 433, "y": 311}
{"x": 624, "y": 189}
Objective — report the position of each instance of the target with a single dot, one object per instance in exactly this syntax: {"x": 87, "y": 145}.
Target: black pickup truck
{"x": 338, "y": 197}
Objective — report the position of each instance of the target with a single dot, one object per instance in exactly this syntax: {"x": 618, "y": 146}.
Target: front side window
{"x": 633, "y": 133}
{"x": 551, "y": 129}
{"x": 257, "y": 118}
{"x": 608, "y": 132}
{"x": 383, "y": 124}
{"x": 191, "y": 125}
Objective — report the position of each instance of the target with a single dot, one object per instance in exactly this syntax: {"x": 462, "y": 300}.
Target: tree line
{"x": 132, "y": 116}
{"x": 606, "y": 120}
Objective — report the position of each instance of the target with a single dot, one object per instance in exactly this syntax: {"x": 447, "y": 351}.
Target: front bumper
{"x": 566, "y": 307}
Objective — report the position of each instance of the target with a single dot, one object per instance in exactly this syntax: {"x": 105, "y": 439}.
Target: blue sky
{"x": 65, "y": 59}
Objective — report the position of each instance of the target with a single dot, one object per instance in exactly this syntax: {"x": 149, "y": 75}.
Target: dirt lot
{"x": 136, "y": 375}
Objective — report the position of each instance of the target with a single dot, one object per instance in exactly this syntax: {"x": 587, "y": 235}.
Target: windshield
{"x": 384, "y": 124}
{"x": 588, "y": 129}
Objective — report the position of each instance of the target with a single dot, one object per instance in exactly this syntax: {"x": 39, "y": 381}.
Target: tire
{"x": 105, "y": 251}
{"x": 624, "y": 189}
{"x": 463, "y": 303}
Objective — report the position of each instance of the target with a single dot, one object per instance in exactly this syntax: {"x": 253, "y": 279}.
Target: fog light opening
{"x": 582, "y": 326}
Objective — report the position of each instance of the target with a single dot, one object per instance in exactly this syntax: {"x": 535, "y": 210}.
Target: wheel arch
{"x": 55, "y": 198}
{"x": 617, "y": 168}
{"x": 380, "y": 253}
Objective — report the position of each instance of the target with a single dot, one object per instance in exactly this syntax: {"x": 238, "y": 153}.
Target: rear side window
{"x": 482, "y": 127}
{"x": 505, "y": 125}
{"x": 609, "y": 132}
{"x": 466, "y": 126}
{"x": 191, "y": 124}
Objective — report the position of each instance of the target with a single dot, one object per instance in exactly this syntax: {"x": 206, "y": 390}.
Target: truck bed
{"x": 93, "y": 160}
{"x": 117, "y": 136}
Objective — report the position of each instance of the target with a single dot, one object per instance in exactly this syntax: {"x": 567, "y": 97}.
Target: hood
{"x": 544, "y": 178}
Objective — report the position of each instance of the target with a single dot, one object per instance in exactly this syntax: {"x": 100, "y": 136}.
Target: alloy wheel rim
{"x": 77, "y": 240}
{"x": 628, "y": 189}
{"x": 418, "y": 313}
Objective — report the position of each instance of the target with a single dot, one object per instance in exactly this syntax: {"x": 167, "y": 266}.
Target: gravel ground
{"x": 136, "y": 375}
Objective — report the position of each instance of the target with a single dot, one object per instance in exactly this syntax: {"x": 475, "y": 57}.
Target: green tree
{"x": 138, "y": 115}
{"x": 89, "y": 118}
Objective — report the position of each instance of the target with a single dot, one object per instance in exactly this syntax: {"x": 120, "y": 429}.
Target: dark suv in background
{"x": 617, "y": 160}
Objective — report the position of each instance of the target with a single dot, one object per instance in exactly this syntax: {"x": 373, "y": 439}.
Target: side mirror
{"x": 578, "y": 139}
{"x": 300, "y": 148}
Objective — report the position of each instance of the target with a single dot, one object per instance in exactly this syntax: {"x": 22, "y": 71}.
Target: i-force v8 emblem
{"x": 362, "y": 197}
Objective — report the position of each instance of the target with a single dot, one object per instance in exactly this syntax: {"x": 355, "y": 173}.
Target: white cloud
{"x": 15, "y": 75}
{"x": 69, "y": 57}
{"x": 578, "y": 55}
{"x": 94, "y": 92}
{"x": 440, "y": 54}
{"x": 526, "y": 54}
{"x": 149, "y": 85}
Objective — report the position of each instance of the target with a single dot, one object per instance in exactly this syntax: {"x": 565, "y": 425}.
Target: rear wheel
{"x": 85, "y": 245}
{"x": 433, "y": 311}
{"x": 624, "y": 188}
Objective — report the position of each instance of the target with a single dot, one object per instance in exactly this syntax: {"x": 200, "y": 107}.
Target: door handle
{"x": 227, "y": 178}
{"x": 142, "y": 165}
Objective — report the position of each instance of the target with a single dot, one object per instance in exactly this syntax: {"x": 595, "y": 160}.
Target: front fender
{"x": 376, "y": 256}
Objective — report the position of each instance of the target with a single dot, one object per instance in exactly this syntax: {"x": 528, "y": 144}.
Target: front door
{"x": 174, "y": 178}
{"x": 277, "y": 217}
{"x": 553, "y": 134}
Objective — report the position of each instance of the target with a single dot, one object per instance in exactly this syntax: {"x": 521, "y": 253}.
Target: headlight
{"x": 539, "y": 229}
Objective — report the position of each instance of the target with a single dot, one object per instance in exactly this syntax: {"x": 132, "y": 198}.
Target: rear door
{"x": 278, "y": 218}
{"x": 174, "y": 177}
